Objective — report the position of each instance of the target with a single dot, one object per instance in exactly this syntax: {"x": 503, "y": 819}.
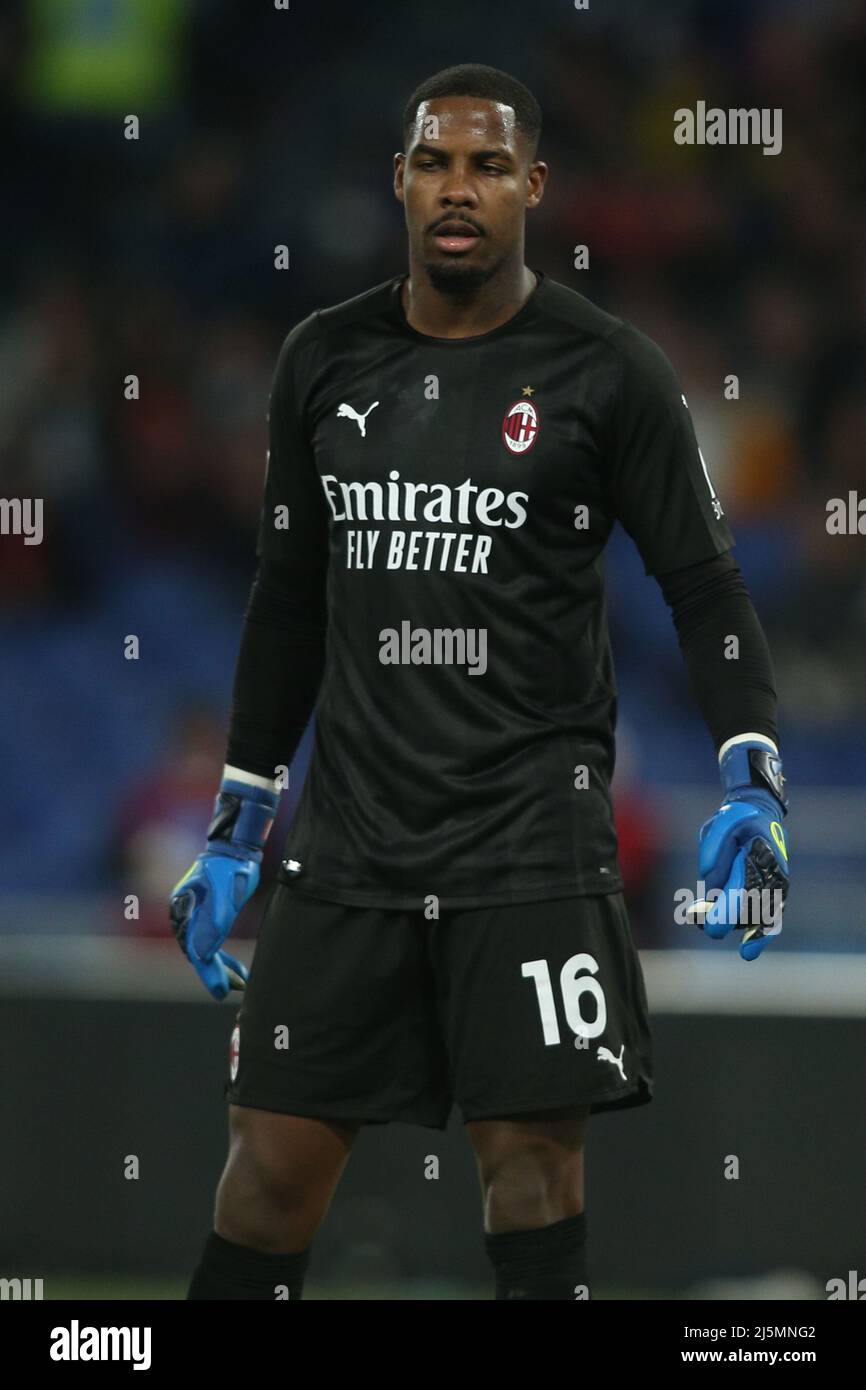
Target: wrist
{"x": 250, "y": 779}
{"x": 244, "y": 812}
{"x": 752, "y": 766}
{"x": 756, "y": 740}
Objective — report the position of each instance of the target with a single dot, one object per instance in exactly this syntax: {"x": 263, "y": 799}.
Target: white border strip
{"x": 714, "y": 980}
{"x": 792, "y": 983}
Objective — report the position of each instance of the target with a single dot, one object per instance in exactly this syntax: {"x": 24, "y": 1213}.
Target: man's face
{"x": 466, "y": 181}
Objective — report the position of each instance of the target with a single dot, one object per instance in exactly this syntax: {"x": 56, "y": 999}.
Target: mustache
{"x": 456, "y": 217}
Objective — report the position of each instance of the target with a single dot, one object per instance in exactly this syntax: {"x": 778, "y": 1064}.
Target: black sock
{"x": 547, "y": 1263}
{"x": 227, "y": 1270}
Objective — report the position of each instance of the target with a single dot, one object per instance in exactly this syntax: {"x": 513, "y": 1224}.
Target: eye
{"x": 492, "y": 169}
{"x": 427, "y": 164}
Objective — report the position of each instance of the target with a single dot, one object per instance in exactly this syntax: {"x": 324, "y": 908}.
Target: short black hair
{"x": 479, "y": 80}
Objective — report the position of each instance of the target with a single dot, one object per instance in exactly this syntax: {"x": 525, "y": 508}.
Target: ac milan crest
{"x": 520, "y": 426}
{"x": 234, "y": 1052}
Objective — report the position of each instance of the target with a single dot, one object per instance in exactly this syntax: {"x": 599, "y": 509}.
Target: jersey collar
{"x": 517, "y": 321}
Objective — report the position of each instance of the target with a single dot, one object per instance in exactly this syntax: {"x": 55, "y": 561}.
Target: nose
{"x": 458, "y": 188}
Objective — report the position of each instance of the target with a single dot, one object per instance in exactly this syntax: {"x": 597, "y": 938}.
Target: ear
{"x": 536, "y": 179}
{"x": 399, "y": 169}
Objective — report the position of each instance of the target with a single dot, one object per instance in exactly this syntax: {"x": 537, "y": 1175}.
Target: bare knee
{"x": 531, "y": 1172}
{"x": 531, "y": 1185}
{"x": 280, "y": 1176}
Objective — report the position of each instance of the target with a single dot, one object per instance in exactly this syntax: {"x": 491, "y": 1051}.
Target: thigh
{"x": 544, "y": 1008}
{"x": 283, "y": 1145}
{"x": 280, "y": 1176}
{"x": 556, "y": 1135}
{"x": 278, "y": 1153}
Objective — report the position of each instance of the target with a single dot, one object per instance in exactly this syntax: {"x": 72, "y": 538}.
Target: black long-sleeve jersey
{"x": 436, "y": 512}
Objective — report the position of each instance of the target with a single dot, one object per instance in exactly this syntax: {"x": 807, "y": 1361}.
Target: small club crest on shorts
{"x": 520, "y": 426}
{"x": 234, "y": 1052}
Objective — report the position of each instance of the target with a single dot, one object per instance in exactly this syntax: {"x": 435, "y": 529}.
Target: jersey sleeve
{"x": 282, "y": 650}
{"x": 293, "y": 526}
{"x": 659, "y": 486}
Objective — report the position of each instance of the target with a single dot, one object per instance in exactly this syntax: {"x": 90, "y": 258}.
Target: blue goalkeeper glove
{"x": 744, "y": 852}
{"x": 206, "y": 901}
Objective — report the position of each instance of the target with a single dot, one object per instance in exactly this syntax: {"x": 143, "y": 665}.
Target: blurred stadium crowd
{"x": 154, "y": 257}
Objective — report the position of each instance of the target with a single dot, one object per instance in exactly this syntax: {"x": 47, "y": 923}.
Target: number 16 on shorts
{"x": 577, "y": 983}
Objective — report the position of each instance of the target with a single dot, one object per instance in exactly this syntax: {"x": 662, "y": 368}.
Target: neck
{"x": 440, "y": 315}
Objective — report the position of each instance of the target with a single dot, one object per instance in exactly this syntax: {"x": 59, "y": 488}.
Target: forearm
{"x": 710, "y": 604}
{"x": 279, "y": 670}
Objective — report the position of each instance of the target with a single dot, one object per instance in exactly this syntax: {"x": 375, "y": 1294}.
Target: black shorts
{"x": 369, "y": 1015}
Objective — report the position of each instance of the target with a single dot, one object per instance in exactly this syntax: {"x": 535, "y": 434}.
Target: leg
{"x": 346, "y": 984}
{"x": 530, "y": 1167}
{"x": 281, "y": 1174}
{"x": 541, "y": 1000}
{"x": 278, "y": 1182}
{"x": 531, "y": 1172}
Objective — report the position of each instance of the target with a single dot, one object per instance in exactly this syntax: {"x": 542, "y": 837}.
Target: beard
{"x": 458, "y": 279}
